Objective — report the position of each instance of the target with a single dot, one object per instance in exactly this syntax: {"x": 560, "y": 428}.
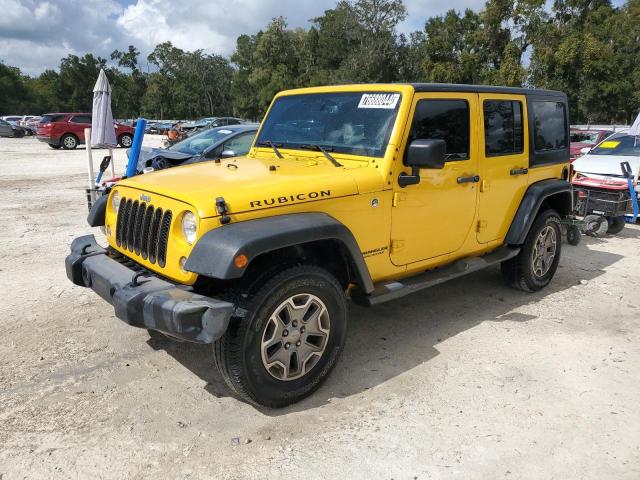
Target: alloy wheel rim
{"x": 69, "y": 142}
{"x": 544, "y": 251}
{"x": 126, "y": 141}
{"x": 295, "y": 337}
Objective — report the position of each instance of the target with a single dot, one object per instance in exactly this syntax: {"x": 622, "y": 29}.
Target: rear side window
{"x": 51, "y": 118}
{"x": 81, "y": 119}
{"x": 550, "y": 126}
{"x": 443, "y": 119}
{"x": 503, "y": 133}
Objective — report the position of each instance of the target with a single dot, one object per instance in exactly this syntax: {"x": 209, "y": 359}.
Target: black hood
{"x": 148, "y": 155}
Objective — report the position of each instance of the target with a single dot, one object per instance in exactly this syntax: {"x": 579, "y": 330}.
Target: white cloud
{"x": 36, "y": 34}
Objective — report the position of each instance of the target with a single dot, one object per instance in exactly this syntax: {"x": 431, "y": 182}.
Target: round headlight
{"x": 189, "y": 227}
{"x": 115, "y": 201}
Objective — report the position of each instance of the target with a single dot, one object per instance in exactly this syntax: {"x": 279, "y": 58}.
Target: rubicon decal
{"x": 375, "y": 251}
{"x": 300, "y": 197}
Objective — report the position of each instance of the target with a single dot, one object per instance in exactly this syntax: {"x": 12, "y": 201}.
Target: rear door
{"x": 78, "y": 123}
{"x": 504, "y": 163}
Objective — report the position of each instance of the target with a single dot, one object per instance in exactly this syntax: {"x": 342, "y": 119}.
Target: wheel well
{"x": 560, "y": 202}
{"x": 69, "y": 134}
{"x": 331, "y": 255}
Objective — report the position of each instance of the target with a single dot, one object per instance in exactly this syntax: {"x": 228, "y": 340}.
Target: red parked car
{"x": 66, "y": 130}
{"x": 585, "y": 138}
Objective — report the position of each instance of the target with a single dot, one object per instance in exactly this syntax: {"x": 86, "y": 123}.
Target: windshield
{"x": 618, "y": 144}
{"x": 351, "y": 122}
{"x": 584, "y": 137}
{"x": 197, "y": 144}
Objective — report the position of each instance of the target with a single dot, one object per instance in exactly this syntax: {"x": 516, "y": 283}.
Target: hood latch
{"x": 221, "y": 207}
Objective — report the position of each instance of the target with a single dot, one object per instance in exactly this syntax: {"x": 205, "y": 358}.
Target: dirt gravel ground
{"x": 467, "y": 380}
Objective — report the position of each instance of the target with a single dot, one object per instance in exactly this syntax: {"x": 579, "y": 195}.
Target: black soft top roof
{"x": 456, "y": 87}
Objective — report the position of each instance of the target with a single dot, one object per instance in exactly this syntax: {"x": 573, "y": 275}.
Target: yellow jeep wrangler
{"x": 360, "y": 192}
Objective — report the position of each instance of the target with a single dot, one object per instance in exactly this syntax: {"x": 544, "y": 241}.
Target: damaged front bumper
{"x": 144, "y": 300}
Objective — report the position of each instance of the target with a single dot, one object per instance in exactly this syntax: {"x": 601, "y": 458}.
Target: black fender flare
{"x": 530, "y": 205}
{"x": 98, "y": 211}
{"x": 214, "y": 253}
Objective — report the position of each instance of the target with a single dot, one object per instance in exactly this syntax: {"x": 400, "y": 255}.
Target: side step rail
{"x": 391, "y": 290}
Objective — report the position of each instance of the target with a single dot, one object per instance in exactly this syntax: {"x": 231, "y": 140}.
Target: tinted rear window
{"x": 81, "y": 119}
{"x": 503, "y": 127}
{"x": 550, "y": 126}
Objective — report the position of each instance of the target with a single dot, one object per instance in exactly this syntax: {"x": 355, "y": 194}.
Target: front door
{"x": 434, "y": 217}
{"x": 504, "y": 162}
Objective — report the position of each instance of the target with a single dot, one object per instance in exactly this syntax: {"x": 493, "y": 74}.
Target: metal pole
{"x": 92, "y": 185}
{"x": 113, "y": 161}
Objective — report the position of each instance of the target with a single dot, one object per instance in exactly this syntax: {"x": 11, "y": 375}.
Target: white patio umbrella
{"x": 103, "y": 133}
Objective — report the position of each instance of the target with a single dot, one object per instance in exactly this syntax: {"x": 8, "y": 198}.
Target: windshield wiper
{"x": 324, "y": 151}
{"x": 269, "y": 143}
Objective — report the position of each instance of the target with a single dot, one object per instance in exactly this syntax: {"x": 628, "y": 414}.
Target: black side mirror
{"x": 423, "y": 153}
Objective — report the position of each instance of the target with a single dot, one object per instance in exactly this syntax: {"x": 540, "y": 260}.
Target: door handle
{"x": 519, "y": 171}
{"x": 471, "y": 179}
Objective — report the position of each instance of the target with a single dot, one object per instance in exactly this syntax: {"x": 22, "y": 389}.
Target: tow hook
{"x": 221, "y": 207}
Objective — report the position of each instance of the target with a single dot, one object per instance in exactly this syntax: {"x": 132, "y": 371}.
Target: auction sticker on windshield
{"x": 379, "y": 100}
{"x": 609, "y": 144}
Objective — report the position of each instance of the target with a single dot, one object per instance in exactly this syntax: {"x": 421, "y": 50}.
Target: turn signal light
{"x": 241, "y": 261}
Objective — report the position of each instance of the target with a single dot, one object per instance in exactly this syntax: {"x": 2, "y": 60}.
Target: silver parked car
{"x": 8, "y": 130}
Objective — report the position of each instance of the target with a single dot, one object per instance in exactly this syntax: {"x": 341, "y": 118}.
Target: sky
{"x": 36, "y": 34}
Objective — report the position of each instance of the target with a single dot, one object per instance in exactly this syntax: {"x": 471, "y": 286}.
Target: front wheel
{"x": 537, "y": 262}
{"x": 125, "y": 140}
{"x": 288, "y": 341}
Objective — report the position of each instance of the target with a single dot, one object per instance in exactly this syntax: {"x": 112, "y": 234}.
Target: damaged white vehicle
{"x": 606, "y": 182}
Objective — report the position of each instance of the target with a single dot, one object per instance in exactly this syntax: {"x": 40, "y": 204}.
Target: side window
{"x": 503, "y": 132}
{"x": 443, "y": 119}
{"x": 550, "y": 126}
{"x": 81, "y": 119}
{"x": 240, "y": 144}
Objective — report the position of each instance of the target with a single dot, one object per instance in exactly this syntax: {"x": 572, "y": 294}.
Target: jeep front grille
{"x": 144, "y": 230}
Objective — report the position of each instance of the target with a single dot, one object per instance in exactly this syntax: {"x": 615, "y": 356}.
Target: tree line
{"x": 590, "y": 49}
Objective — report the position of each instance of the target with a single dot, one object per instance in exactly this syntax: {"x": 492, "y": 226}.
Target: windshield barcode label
{"x": 379, "y": 100}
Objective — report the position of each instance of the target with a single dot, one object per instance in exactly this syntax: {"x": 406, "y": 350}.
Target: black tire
{"x": 595, "y": 225}
{"x": 125, "y": 140}
{"x": 238, "y": 354}
{"x": 55, "y": 147}
{"x": 573, "y": 235}
{"x": 18, "y": 133}
{"x": 69, "y": 141}
{"x": 616, "y": 224}
{"x": 519, "y": 272}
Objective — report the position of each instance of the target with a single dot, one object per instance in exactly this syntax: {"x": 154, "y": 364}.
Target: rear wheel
{"x": 69, "y": 142}
{"x": 125, "y": 140}
{"x": 288, "y": 341}
{"x": 537, "y": 262}
{"x": 615, "y": 224}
